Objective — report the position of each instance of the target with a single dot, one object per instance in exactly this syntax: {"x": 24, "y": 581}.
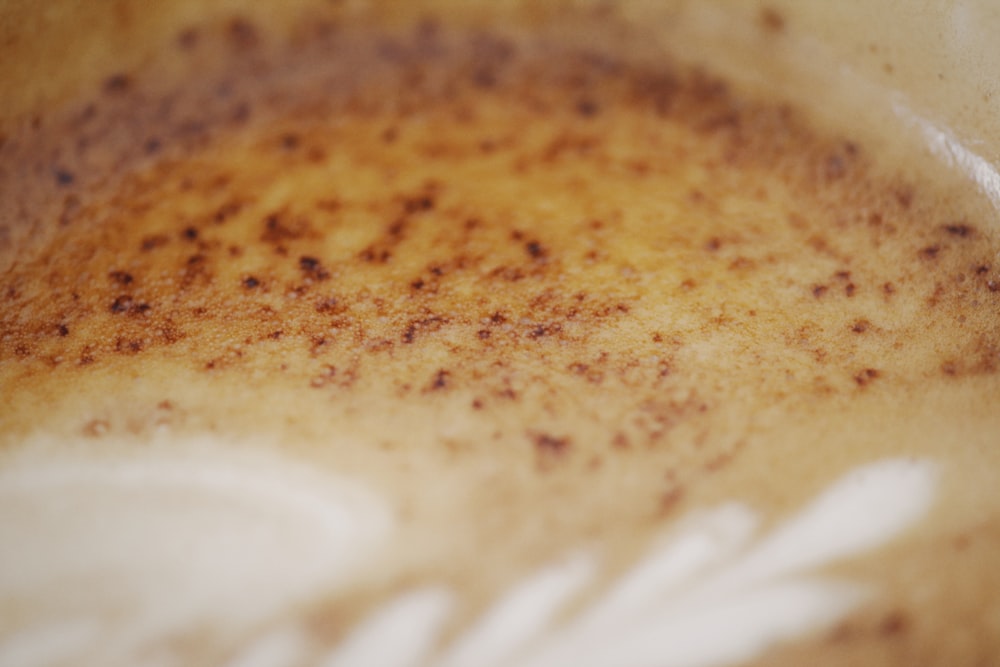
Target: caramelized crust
{"x": 455, "y": 214}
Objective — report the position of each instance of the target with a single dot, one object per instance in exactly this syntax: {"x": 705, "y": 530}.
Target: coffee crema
{"x": 536, "y": 295}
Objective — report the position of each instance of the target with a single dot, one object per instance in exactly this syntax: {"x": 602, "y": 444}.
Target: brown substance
{"x": 543, "y": 274}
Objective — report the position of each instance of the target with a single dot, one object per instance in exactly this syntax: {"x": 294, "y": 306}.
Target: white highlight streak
{"x": 286, "y": 647}
{"x": 864, "y": 509}
{"x": 671, "y": 612}
{"x": 723, "y": 634}
{"x": 703, "y": 542}
{"x": 400, "y": 634}
{"x": 520, "y": 616}
{"x": 954, "y": 153}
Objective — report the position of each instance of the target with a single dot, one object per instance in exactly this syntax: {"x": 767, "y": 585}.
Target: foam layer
{"x": 110, "y": 557}
{"x": 536, "y": 295}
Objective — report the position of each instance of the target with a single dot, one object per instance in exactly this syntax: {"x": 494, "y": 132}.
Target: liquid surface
{"x": 534, "y": 294}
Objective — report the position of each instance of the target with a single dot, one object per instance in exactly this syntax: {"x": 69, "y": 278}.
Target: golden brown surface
{"x": 574, "y": 294}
